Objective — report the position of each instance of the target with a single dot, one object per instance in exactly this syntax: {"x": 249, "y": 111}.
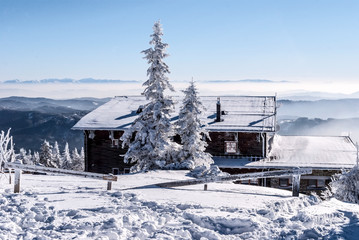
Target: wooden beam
{"x": 56, "y": 171}
{"x": 246, "y": 176}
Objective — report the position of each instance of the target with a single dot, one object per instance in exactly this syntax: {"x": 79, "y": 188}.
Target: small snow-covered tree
{"x": 345, "y": 186}
{"x": 77, "y": 162}
{"x": 25, "y": 156}
{"x": 56, "y": 155}
{"x": 190, "y": 129}
{"x": 66, "y": 158}
{"x": 152, "y": 130}
{"x": 46, "y": 158}
{"x": 82, "y": 154}
{"x": 36, "y": 158}
{"x": 6, "y": 148}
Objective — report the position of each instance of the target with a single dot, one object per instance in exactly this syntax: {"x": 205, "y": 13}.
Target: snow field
{"x": 59, "y": 207}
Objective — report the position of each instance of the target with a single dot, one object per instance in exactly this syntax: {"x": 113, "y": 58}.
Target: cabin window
{"x": 115, "y": 143}
{"x": 249, "y": 181}
{"x": 316, "y": 183}
{"x": 126, "y": 170}
{"x": 285, "y": 182}
{"x": 312, "y": 183}
{"x": 231, "y": 147}
{"x": 320, "y": 183}
{"x": 115, "y": 171}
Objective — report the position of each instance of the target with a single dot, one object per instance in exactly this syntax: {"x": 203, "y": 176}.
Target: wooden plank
{"x": 110, "y": 178}
{"x": 246, "y": 176}
{"x": 56, "y": 171}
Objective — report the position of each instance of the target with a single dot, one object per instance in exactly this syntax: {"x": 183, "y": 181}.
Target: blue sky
{"x": 302, "y": 41}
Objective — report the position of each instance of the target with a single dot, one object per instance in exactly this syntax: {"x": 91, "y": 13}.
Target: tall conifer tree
{"x": 152, "y": 128}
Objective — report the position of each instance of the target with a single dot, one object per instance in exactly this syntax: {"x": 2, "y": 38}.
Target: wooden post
{"x": 9, "y": 175}
{"x": 205, "y": 187}
{"x": 109, "y": 185}
{"x": 295, "y": 185}
{"x": 17, "y": 180}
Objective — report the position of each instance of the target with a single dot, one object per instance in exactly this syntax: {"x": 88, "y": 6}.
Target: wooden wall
{"x": 249, "y": 144}
{"x": 101, "y": 156}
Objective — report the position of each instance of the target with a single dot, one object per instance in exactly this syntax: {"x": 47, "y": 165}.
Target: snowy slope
{"x": 58, "y": 207}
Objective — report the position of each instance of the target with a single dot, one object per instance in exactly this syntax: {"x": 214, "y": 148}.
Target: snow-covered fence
{"x": 294, "y": 173}
{"x": 55, "y": 171}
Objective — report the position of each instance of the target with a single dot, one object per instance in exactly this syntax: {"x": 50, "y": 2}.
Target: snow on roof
{"x": 241, "y": 113}
{"x": 317, "y": 152}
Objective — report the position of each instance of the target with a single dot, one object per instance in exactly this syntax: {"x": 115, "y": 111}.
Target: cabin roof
{"x": 317, "y": 152}
{"x": 241, "y": 113}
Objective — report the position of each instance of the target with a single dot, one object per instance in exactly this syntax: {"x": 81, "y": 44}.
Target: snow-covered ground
{"x": 59, "y": 207}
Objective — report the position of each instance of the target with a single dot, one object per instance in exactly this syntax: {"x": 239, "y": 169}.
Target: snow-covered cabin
{"x": 239, "y": 127}
{"x": 243, "y": 139}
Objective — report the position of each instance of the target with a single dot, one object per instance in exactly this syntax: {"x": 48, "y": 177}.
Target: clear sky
{"x": 306, "y": 40}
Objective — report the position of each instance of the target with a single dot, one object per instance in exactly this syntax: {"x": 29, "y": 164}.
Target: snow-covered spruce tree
{"x": 56, "y": 155}
{"x": 152, "y": 147}
{"x": 66, "y": 158}
{"x": 46, "y": 158}
{"x": 6, "y": 148}
{"x": 193, "y": 135}
{"x": 77, "y": 162}
{"x": 345, "y": 186}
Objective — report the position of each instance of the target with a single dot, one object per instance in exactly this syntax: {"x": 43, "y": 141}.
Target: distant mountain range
{"x": 67, "y": 80}
{"x": 247, "y": 81}
{"x": 32, "y": 120}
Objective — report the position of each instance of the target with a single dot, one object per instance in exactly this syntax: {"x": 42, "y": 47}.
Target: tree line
{"x": 49, "y": 155}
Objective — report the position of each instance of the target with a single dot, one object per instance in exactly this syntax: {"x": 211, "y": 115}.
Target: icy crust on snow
{"x": 44, "y": 210}
{"x": 245, "y": 113}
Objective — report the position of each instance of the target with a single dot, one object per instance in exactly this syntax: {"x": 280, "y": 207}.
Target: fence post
{"x": 17, "y": 180}
{"x": 9, "y": 175}
{"x": 109, "y": 185}
{"x": 295, "y": 185}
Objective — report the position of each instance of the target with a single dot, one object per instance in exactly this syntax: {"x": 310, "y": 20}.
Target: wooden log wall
{"x": 101, "y": 156}
{"x": 249, "y": 144}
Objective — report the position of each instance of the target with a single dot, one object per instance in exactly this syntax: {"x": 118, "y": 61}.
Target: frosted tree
{"x": 25, "y": 156}
{"x": 82, "y": 154}
{"x": 56, "y": 155}
{"x": 77, "y": 162}
{"x": 345, "y": 186}
{"x": 193, "y": 135}
{"x": 46, "y": 158}
{"x": 152, "y": 147}
{"x": 6, "y": 148}
{"x": 66, "y": 158}
{"x": 36, "y": 158}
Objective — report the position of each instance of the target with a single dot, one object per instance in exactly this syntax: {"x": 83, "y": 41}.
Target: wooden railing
{"x": 19, "y": 167}
{"x": 294, "y": 173}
